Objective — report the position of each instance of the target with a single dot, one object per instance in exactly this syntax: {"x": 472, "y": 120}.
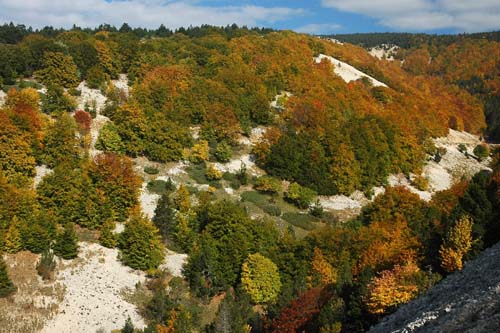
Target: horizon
{"x": 320, "y": 17}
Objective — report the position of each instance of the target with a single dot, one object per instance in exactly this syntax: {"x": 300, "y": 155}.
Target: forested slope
{"x": 262, "y": 253}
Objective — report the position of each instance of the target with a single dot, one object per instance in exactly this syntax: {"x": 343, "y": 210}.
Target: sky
{"x": 308, "y": 16}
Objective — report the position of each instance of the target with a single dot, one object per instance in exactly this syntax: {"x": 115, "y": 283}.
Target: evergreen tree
{"x": 6, "y": 285}
{"x": 46, "y": 266}
{"x": 141, "y": 245}
{"x": 66, "y": 245}
{"x": 107, "y": 237}
{"x": 164, "y": 218}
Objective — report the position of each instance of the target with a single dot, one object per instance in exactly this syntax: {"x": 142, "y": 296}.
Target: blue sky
{"x": 313, "y": 16}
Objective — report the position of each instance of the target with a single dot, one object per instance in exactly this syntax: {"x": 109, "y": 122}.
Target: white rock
{"x": 347, "y": 72}
{"x": 92, "y": 297}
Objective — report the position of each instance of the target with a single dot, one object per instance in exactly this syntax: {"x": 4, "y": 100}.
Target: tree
{"x": 392, "y": 287}
{"x": 66, "y": 245}
{"x": 140, "y": 244}
{"x": 16, "y": 160}
{"x": 56, "y": 100}
{"x": 13, "y": 243}
{"x": 199, "y": 152}
{"x": 481, "y": 151}
{"x": 344, "y": 169}
{"x": 107, "y": 238}
{"x": 96, "y": 77}
{"x": 109, "y": 139}
{"x": 164, "y": 218}
{"x": 223, "y": 152}
{"x": 46, "y": 265}
{"x": 6, "y": 285}
{"x": 58, "y": 69}
{"x": 60, "y": 143}
{"x": 457, "y": 244}
{"x": 300, "y": 196}
{"x": 322, "y": 269}
{"x": 260, "y": 279}
{"x": 114, "y": 175}
{"x": 182, "y": 199}
{"x": 268, "y": 184}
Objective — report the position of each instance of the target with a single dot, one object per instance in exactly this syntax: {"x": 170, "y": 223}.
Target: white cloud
{"x": 319, "y": 29}
{"x": 144, "y": 13}
{"x": 461, "y": 15}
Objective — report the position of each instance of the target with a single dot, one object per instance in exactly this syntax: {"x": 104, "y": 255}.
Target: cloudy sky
{"x": 311, "y": 16}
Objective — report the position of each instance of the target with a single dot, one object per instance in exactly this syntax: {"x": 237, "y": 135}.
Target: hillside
{"x": 465, "y": 301}
{"x": 226, "y": 179}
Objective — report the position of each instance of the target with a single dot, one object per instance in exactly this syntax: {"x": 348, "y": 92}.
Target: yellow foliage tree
{"x": 457, "y": 243}
{"x": 391, "y": 288}
{"x": 13, "y": 243}
{"x": 182, "y": 199}
{"x": 199, "y": 152}
{"x": 260, "y": 279}
{"x": 324, "y": 271}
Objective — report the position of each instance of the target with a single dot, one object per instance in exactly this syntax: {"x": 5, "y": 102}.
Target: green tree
{"x": 58, "y": 69}
{"x": 107, "y": 238}
{"x": 300, "y": 196}
{"x": 260, "y": 279}
{"x": 56, "y": 100}
{"x": 268, "y": 184}
{"x": 6, "y": 285}
{"x": 60, "y": 142}
{"x": 109, "y": 139}
{"x": 96, "y": 77}
{"x": 66, "y": 245}
{"x": 223, "y": 152}
{"x": 140, "y": 244}
{"x": 164, "y": 218}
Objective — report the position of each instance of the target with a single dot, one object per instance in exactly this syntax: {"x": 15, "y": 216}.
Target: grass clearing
{"x": 304, "y": 221}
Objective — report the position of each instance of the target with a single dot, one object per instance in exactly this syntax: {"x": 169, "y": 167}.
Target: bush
{"x": 158, "y": 186}
{"x": 420, "y": 182}
{"x": 74, "y": 92}
{"x": 317, "y": 210}
{"x": 268, "y": 184}
{"x": 213, "y": 173}
{"x": 300, "y": 196}
{"x": 46, "y": 266}
{"x": 151, "y": 170}
{"x": 272, "y": 210}
{"x": 462, "y": 148}
{"x": 223, "y": 152}
{"x": 481, "y": 151}
{"x": 254, "y": 197}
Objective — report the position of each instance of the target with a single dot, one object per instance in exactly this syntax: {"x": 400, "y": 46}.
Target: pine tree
{"x": 164, "y": 218}
{"x": 108, "y": 238}
{"x": 6, "y": 285}
{"x": 67, "y": 243}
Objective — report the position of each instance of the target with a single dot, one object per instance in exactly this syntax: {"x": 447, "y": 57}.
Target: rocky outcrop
{"x": 466, "y": 301}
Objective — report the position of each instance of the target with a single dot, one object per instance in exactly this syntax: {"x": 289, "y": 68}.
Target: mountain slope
{"x": 466, "y": 301}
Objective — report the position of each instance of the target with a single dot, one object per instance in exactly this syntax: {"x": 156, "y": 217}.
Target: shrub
{"x": 213, "y": 173}
{"x": 272, "y": 210}
{"x": 74, "y": 92}
{"x": 157, "y": 186}
{"x": 420, "y": 182}
{"x": 481, "y": 151}
{"x": 300, "y": 196}
{"x": 151, "y": 170}
{"x": 46, "y": 265}
{"x": 316, "y": 209}
{"x": 462, "y": 148}
{"x": 223, "y": 152}
{"x": 268, "y": 184}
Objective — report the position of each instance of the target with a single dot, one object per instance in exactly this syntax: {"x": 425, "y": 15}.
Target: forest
{"x": 326, "y": 137}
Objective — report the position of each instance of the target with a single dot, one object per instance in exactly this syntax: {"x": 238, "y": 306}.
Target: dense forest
{"x": 327, "y": 137}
